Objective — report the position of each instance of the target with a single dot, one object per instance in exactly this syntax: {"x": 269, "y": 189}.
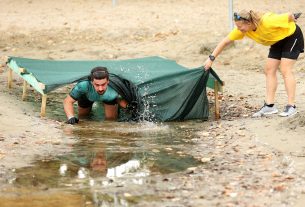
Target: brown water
{"x": 142, "y": 164}
{"x": 107, "y": 157}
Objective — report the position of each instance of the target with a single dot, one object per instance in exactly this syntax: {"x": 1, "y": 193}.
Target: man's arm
{"x": 130, "y": 107}
{"x": 122, "y": 103}
{"x": 69, "y": 110}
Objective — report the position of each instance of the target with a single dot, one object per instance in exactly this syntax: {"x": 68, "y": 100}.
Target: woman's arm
{"x": 219, "y": 48}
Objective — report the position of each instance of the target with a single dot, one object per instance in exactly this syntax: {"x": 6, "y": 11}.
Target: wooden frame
{"x": 9, "y": 78}
{"x": 217, "y": 87}
{"x": 24, "y": 88}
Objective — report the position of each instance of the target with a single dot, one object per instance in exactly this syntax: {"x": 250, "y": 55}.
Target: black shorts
{"x": 289, "y": 47}
{"x": 84, "y": 102}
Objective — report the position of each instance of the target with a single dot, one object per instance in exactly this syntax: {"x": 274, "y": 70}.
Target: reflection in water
{"x": 108, "y": 155}
{"x": 63, "y": 169}
{"x": 123, "y": 169}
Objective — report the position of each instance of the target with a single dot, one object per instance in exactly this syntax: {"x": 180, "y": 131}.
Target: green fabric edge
{"x": 36, "y": 84}
{"x": 26, "y": 76}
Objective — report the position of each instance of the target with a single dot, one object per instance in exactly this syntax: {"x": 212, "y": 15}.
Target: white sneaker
{"x": 265, "y": 110}
{"x": 289, "y": 111}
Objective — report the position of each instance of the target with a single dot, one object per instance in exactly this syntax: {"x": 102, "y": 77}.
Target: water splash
{"x": 143, "y": 127}
{"x": 148, "y": 105}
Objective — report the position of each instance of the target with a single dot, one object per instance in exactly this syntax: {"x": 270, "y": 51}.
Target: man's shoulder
{"x": 82, "y": 86}
{"x": 110, "y": 88}
{"x": 83, "y": 83}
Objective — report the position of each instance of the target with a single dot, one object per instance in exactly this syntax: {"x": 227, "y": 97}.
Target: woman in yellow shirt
{"x": 285, "y": 38}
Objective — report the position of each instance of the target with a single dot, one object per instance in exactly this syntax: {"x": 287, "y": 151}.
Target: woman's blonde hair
{"x": 248, "y": 16}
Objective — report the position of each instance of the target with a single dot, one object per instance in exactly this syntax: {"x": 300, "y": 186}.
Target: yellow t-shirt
{"x": 271, "y": 29}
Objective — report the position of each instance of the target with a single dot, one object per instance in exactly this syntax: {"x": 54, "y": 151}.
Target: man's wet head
{"x": 100, "y": 78}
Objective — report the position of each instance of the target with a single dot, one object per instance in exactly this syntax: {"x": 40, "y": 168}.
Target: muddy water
{"x": 107, "y": 156}
{"x": 142, "y": 164}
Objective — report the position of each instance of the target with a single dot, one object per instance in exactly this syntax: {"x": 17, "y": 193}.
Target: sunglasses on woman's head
{"x": 237, "y": 17}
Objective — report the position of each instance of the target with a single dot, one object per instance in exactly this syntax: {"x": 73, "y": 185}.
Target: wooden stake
{"x": 22, "y": 71}
{"x": 43, "y": 105}
{"x": 9, "y": 78}
{"x": 24, "y": 90}
{"x": 217, "y": 105}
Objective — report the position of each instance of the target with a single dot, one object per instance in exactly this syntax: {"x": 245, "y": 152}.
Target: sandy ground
{"x": 185, "y": 31}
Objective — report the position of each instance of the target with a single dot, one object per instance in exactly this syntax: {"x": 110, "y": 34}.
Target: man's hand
{"x": 72, "y": 120}
{"x": 132, "y": 107}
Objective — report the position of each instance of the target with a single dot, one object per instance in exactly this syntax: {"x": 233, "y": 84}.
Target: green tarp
{"x": 168, "y": 90}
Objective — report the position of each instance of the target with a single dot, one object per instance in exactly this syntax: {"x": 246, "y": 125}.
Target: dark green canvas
{"x": 167, "y": 91}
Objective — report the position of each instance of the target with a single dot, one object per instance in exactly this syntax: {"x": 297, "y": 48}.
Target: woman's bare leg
{"x": 289, "y": 79}
{"x": 271, "y": 68}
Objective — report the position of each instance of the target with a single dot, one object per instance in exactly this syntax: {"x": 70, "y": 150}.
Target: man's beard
{"x": 101, "y": 92}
